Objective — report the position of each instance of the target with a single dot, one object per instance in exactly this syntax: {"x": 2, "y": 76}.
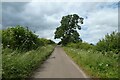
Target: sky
{"x": 100, "y": 18}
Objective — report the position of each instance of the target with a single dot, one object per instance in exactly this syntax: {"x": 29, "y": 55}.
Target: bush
{"x": 44, "y": 41}
{"x": 109, "y": 43}
{"x": 80, "y": 45}
{"x": 19, "y": 38}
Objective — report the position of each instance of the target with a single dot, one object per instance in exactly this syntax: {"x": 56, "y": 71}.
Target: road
{"x": 59, "y": 65}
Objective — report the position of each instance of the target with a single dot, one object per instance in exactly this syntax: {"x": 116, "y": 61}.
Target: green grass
{"x": 94, "y": 63}
{"x": 0, "y": 64}
{"x": 0, "y": 54}
{"x": 20, "y": 65}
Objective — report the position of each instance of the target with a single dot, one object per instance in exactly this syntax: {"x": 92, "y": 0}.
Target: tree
{"x": 67, "y": 31}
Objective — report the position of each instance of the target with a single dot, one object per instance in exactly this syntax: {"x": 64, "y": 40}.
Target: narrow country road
{"x": 59, "y": 65}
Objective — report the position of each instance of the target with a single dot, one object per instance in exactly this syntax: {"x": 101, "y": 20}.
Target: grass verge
{"x": 94, "y": 63}
{"x": 20, "y": 65}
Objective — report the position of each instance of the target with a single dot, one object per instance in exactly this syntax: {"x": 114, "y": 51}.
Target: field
{"x": 20, "y": 65}
{"x": 94, "y": 63}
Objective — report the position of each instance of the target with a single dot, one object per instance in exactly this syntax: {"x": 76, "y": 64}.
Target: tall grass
{"x": 0, "y": 54}
{"x": 96, "y": 64}
{"x": 20, "y": 65}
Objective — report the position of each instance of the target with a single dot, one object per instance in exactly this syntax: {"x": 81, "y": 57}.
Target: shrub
{"x": 43, "y": 41}
{"x": 109, "y": 43}
{"x": 19, "y": 38}
{"x": 80, "y": 45}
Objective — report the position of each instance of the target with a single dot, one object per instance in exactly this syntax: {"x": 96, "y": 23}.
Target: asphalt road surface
{"x": 59, "y": 65}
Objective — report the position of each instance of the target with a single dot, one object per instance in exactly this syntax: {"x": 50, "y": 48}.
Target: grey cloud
{"x": 14, "y": 6}
{"x": 44, "y": 17}
{"x": 32, "y": 15}
{"x": 12, "y": 13}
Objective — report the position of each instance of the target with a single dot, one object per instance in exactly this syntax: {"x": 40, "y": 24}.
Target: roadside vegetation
{"x": 23, "y": 52}
{"x": 21, "y": 64}
{"x": 100, "y": 60}
{"x": 0, "y": 54}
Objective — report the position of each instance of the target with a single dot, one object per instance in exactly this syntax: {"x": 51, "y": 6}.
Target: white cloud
{"x": 102, "y": 17}
{"x": 99, "y": 23}
{"x": 60, "y": 1}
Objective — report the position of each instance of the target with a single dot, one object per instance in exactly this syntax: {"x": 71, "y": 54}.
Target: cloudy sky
{"x": 100, "y": 18}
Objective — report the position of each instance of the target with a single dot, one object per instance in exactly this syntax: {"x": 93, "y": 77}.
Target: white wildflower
{"x": 8, "y": 45}
{"x": 19, "y": 36}
{"x": 106, "y": 64}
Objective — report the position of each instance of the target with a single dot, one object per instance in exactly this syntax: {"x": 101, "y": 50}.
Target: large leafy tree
{"x": 67, "y": 31}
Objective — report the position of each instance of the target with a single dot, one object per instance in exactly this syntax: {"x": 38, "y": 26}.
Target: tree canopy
{"x": 67, "y": 31}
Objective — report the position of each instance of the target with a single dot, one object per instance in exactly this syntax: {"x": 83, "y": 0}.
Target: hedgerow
{"x": 19, "y": 65}
{"x": 109, "y": 43}
{"x": 21, "y": 38}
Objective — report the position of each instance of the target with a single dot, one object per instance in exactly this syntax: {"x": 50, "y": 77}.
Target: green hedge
{"x": 111, "y": 42}
{"x": 80, "y": 45}
{"x": 19, "y": 38}
{"x": 22, "y": 38}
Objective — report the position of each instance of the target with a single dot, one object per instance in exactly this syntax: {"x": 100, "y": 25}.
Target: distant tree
{"x": 59, "y": 43}
{"x": 92, "y": 44}
{"x": 67, "y": 31}
{"x": 44, "y": 41}
{"x": 51, "y": 42}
